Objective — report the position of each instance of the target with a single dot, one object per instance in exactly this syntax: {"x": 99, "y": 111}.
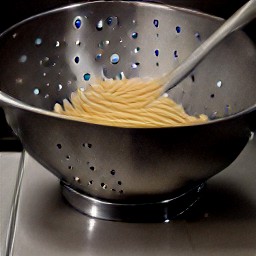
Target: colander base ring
{"x": 161, "y": 211}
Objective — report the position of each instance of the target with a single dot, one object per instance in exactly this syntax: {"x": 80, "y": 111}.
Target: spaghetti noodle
{"x": 134, "y": 102}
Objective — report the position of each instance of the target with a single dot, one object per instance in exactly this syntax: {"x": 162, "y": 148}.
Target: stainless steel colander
{"x": 48, "y": 56}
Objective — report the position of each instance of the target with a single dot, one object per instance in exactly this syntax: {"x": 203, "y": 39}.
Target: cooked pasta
{"x": 134, "y": 102}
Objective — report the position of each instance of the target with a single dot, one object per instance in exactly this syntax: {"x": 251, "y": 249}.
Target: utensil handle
{"x": 239, "y": 19}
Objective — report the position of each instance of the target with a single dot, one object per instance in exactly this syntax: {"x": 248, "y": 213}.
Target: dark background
{"x": 17, "y": 10}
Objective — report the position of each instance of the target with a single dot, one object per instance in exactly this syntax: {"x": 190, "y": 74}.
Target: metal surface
{"x": 239, "y": 19}
{"x": 116, "y": 164}
{"x": 161, "y": 211}
{"x": 223, "y": 223}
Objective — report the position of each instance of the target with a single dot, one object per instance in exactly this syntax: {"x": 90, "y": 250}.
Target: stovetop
{"x": 41, "y": 223}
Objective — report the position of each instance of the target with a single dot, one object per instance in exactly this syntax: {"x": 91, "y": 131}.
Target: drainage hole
{"x": 92, "y": 168}
{"x": 78, "y": 43}
{"x": 156, "y": 23}
{"x": 78, "y": 23}
{"x": 104, "y": 186}
{"x": 175, "y": 54}
{"x": 76, "y": 59}
{"x": 87, "y": 145}
{"x": 134, "y": 35}
{"x": 99, "y": 25}
{"x": 77, "y": 179}
{"x": 59, "y": 146}
{"x": 178, "y": 29}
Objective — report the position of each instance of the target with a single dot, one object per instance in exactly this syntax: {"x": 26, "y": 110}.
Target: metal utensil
{"x": 126, "y": 173}
{"x": 240, "y": 18}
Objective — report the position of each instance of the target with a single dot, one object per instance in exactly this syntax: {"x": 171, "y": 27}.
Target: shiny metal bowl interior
{"x": 45, "y": 58}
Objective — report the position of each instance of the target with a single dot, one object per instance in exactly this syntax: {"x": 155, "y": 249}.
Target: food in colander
{"x": 134, "y": 102}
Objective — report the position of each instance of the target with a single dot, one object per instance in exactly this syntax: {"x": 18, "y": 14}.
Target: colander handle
{"x": 239, "y": 19}
{"x": 7, "y": 100}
